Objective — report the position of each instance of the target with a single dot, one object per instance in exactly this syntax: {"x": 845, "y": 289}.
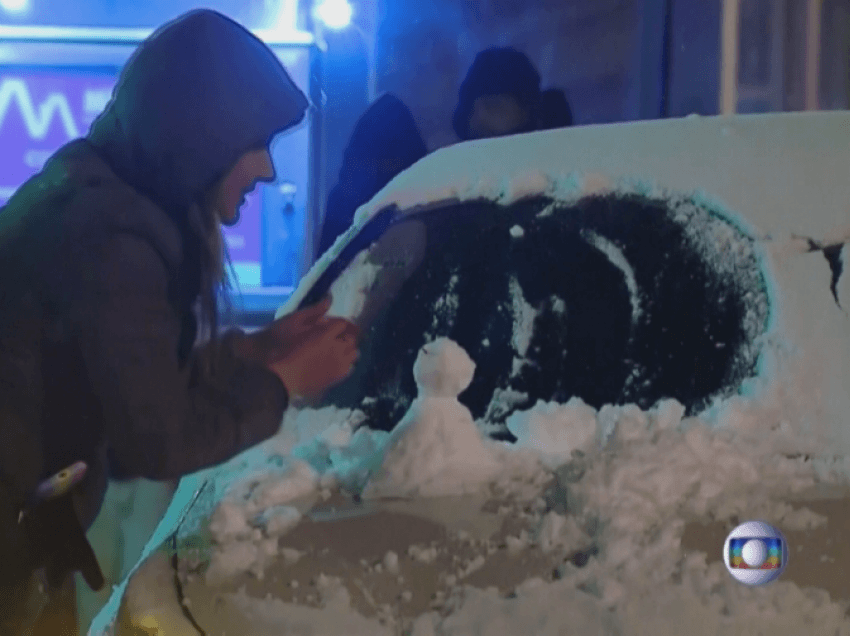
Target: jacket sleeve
{"x": 162, "y": 421}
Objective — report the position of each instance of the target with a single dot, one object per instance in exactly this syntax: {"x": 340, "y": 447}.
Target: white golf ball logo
{"x": 755, "y": 553}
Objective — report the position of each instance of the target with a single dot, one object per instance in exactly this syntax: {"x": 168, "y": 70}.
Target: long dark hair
{"x": 208, "y": 256}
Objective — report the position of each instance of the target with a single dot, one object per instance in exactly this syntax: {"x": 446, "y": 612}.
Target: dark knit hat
{"x": 496, "y": 71}
{"x": 386, "y": 130}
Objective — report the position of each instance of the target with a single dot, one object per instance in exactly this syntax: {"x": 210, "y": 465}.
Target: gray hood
{"x": 195, "y": 96}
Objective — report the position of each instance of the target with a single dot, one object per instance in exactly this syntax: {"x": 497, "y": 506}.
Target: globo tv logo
{"x": 755, "y": 553}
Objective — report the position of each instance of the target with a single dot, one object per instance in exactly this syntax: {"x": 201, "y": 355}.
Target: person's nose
{"x": 268, "y": 174}
{"x": 263, "y": 170}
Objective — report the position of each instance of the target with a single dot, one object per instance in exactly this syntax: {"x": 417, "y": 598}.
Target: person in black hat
{"x": 501, "y": 96}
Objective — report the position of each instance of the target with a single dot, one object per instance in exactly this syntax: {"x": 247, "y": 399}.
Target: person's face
{"x": 251, "y": 168}
{"x": 495, "y": 116}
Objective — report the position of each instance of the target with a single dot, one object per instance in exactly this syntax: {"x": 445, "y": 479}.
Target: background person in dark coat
{"x": 384, "y": 143}
{"x": 555, "y": 110}
{"x": 501, "y": 95}
{"x": 104, "y": 257}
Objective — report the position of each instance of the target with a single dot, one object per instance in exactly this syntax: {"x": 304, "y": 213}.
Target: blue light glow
{"x": 335, "y": 14}
{"x": 14, "y": 6}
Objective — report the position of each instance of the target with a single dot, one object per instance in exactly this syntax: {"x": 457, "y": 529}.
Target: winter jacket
{"x": 99, "y": 277}
{"x": 385, "y": 142}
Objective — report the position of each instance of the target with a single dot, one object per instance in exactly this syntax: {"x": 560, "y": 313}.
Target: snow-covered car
{"x": 668, "y": 296}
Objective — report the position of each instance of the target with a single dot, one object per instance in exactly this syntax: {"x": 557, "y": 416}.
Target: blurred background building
{"x": 617, "y": 60}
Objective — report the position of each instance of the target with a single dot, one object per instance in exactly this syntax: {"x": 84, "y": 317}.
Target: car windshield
{"x": 613, "y": 299}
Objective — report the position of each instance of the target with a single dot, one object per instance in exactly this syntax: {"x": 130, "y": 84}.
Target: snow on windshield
{"x": 612, "y": 298}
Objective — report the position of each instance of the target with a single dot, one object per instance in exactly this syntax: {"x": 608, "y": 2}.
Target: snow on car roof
{"x": 573, "y": 162}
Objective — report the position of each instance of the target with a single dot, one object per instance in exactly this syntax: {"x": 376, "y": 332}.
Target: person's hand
{"x": 288, "y": 328}
{"x": 275, "y": 339}
{"x": 318, "y": 358}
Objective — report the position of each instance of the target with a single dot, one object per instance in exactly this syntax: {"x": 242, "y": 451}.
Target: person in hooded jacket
{"x": 111, "y": 263}
{"x": 385, "y": 142}
{"x": 501, "y": 95}
{"x": 555, "y": 110}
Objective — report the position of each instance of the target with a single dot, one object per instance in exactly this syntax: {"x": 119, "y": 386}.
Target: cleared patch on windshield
{"x": 616, "y": 299}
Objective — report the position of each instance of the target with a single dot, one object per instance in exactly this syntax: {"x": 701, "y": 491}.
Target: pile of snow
{"x": 627, "y": 480}
{"x": 554, "y": 429}
{"x": 245, "y": 526}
